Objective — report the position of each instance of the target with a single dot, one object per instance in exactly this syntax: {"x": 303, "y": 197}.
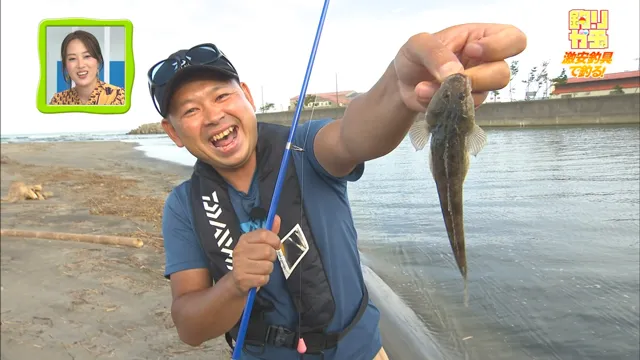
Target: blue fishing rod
{"x": 244, "y": 323}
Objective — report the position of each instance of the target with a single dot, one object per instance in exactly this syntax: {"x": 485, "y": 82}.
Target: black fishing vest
{"x": 218, "y": 230}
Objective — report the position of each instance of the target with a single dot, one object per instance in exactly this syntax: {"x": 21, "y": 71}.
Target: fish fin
{"x": 418, "y": 134}
{"x": 476, "y": 140}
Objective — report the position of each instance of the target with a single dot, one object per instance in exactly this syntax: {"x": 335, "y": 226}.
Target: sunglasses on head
{"x": 160, "y": 73}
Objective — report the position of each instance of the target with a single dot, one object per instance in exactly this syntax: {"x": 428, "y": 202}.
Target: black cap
{"x": 163, "y": 93}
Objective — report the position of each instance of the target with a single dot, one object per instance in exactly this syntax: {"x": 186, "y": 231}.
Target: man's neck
{"x": 241, "y": 178}
{"x": 84, "y": 93}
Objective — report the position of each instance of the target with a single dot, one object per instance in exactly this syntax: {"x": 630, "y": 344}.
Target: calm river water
{"x": 552, "y": 229}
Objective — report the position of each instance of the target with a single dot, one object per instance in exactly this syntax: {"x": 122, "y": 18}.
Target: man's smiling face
{"x": 215, "y": 120}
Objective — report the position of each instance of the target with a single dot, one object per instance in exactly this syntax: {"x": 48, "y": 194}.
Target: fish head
{"x": 452, "y": 101}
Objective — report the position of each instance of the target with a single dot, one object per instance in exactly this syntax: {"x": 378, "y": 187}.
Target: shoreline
{"x": 532, "y": 124}
{"x": 135, "y": 139}
{"x": 101, "y": 281}
{"x": 63, "y": 299}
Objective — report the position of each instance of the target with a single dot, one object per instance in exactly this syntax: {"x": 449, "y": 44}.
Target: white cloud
{"x": 269, "y": 43}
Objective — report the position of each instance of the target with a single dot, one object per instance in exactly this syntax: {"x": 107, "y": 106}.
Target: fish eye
{"x": 461, "y": 96}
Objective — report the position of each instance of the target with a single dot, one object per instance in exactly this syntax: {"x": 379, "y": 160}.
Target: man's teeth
{"x": 224, "y": 133}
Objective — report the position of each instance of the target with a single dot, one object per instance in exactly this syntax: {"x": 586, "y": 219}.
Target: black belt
{"x": 260, "y": 334}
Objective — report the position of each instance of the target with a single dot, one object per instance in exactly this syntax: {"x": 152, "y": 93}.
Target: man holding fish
{"x": 215, "y": 248}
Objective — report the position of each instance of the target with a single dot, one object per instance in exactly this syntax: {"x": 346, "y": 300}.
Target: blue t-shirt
{"x": 335, "y": 235}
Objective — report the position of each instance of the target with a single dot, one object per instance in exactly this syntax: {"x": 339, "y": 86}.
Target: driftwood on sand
{"x": 88, "y": 238}
{"x": 19, "y": 191}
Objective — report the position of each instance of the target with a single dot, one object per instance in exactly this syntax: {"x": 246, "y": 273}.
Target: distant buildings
{"x": 325, "y": 100}
{"x": 615, "y": 83}
{"x": 626, "y": 82}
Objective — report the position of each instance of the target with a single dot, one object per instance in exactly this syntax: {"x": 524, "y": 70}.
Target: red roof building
{"x": 627, "y": 82}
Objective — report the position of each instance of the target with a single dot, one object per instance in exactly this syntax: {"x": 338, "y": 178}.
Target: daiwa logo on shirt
{"x": 222, "y": 234}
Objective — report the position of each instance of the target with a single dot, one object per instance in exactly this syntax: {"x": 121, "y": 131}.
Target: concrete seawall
{"x": 609, "y": 110}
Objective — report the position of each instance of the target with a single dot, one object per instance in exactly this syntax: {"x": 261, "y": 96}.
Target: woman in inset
{"x": 81, "y": 62}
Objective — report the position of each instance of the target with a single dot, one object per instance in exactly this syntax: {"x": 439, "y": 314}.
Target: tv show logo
{"x": 589, "y": 39}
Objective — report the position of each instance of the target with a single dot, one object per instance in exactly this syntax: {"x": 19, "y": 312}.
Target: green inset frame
{"x": 42, "y": 100}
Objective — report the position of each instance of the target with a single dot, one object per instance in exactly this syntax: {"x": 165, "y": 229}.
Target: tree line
{"x": 537, "y": 83}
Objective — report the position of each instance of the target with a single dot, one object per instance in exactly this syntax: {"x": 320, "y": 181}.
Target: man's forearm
{"x": 206, "y": 314}
{"x": 376, "y": 122}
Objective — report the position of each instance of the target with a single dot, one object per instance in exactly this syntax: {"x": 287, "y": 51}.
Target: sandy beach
{"x": 71, "y": 300}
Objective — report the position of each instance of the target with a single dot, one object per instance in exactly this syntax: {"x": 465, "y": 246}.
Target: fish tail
{"x": 450, "y": 194}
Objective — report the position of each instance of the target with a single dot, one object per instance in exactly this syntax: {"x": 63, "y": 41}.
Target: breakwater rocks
{"x": 147, "y": 129}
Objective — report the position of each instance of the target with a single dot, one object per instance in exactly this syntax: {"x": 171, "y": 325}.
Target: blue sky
{"x": 269, "y": 42}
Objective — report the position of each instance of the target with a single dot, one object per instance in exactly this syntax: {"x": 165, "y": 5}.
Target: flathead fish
{"x": 450, "y": 126}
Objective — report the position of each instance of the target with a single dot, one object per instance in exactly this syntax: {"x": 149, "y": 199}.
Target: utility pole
{"x": 337, "y": 98}
{"x": 637, "y": 68}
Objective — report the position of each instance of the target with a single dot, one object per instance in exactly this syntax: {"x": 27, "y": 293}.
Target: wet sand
{"x": 68, "y": 300}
